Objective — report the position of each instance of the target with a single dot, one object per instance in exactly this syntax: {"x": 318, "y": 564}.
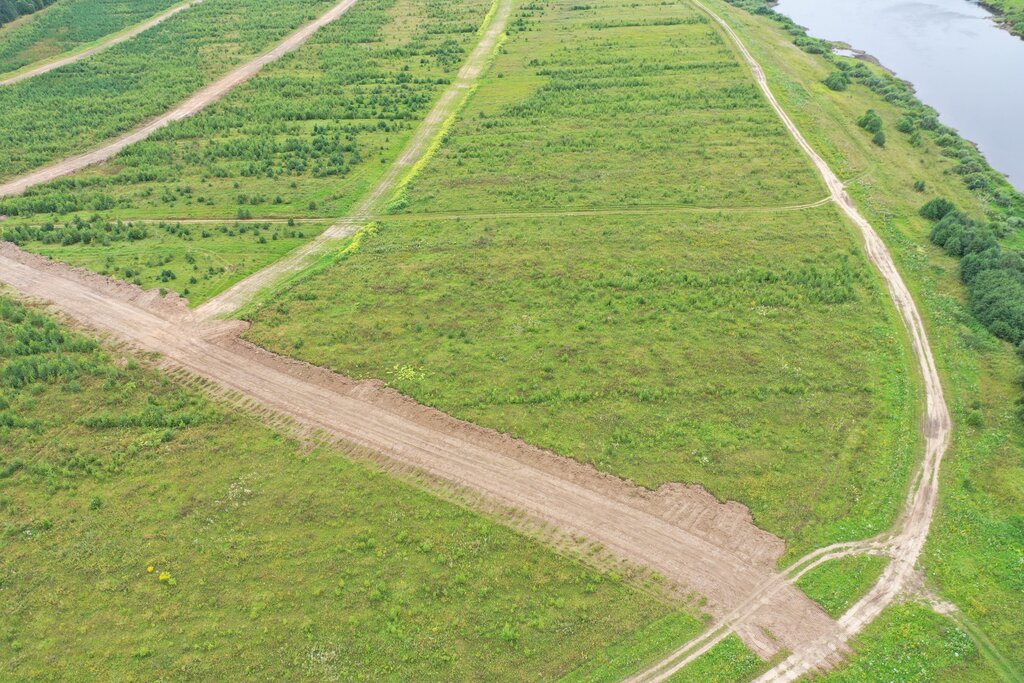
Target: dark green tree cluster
{"x": 12, "y": 9}
{"x": 872, "y": 123}
{"x": 76, "y": 231}
{"x": 993, "y": 275}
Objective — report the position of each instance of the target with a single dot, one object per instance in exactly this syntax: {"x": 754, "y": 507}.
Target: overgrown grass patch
{"x": 837, "y": 584}
{"x": 610, "y": 104}
{"x": 197, "y": 261}
{"x": 753, "y": 353}
{"x": 309, "y": 136}
{"x": 69, "y": 25}
{"x": 910, "y": 642}
{"x": 156, "y": 531}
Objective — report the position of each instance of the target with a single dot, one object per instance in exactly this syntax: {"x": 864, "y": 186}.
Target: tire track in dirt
{"x": 30, "y": 71}
{"x": 905, "y": 543}
{"x": 447, "y": 105}
{"x": 707, "y": 548}
{"x": 193, "y": 105}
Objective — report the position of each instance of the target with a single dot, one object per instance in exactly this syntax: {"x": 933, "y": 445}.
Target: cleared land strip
{"x": 905, "y": 543}
{"x": 189, "y": 107}
{"x": 711, "y": 549}
{"x": 116, "y": 39}
{"x": 426, "y": 135}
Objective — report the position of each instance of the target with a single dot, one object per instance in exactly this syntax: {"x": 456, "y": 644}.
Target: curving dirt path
{"x": 116, "y": 39}
{"x": 189, "y": 107}
{"x": 447, "y": 105}
{"x": 905, "y": 543}
{"x": 707, "y": 548}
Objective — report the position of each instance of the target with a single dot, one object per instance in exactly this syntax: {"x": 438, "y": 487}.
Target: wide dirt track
{"x": 707, "y": 548}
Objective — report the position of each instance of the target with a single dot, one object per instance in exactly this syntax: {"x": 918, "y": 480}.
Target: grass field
{"x": 309, "y": 136}
{"x": 730, "y": 661}
{"x": 974, "y": 551}
{"x": 910, "y": 642}
{"x": 197, "y": 261}
{"x": 611, "y": 103}
{"x": 147, "y": 530}
{"x": 73, "y": 108}
{"x": 837, "y": 584}
{"x": 69, "y": 25}
{"x": 752, "y": 353}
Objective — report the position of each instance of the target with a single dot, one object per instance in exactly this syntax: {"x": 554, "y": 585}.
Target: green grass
{"x": 277, "y": 561}
{"x": 309, "y": 136}
{"x": 837, "y": 584}
{"x": 730, "y": 661}
{"x": 76, "y": 107}
{"x": 911, "y": 643}
{"x": 609, "y": 104}
{"x": 198, "y": 261}
{"x": 70, "y": 25}
{"x": 974, "y": 551}
{"x": 1011, "y": 12}
{"x": 753, "y": 353}
{"x": 644, "y": 647}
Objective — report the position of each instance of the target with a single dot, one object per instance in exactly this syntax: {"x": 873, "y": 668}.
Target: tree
{"x": 879, "y": 139}
{"x": 937, "y": 208}
{"x": 837, "y": 81}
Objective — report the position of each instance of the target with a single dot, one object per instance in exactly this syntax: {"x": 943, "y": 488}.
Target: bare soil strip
{"x": 116, "y": 39}
{"x": 189, "y": 107}
{"x": 903, "y": 544}
{"x": 450, "y": 101}
{"x": 709, "y": 548}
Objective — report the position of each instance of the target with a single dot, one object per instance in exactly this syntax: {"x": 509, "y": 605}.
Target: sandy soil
{"x": 242, "y": 292}
{"x": 116, "y": 39}
{"x": 708, "y": 548}
{"x": 189, "y": 107}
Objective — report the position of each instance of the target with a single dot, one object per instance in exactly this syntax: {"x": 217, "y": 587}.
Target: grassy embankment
{"x": 69, "y": 26}
{"x": 309, "y": 136}
{"x": 1011, "y": 13}
{"x": 146, "y": 529}
{"x": 974, "y": 551}
{"x": 74, "y": 108}
{"x": 749, "y": 350}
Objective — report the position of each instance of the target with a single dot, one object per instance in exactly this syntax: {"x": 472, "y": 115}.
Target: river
{"x": 959, "y": 61}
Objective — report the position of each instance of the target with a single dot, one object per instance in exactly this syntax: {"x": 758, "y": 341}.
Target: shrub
{"x": 871, "y": 121}
{"x": 837, "y": 81}
{"x": 937, "y": 208}
{"x": 879, "y": 139}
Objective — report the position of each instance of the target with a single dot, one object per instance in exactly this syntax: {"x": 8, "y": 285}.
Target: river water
{"x": 960, "y": 62}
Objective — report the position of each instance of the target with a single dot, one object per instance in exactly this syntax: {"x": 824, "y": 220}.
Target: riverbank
{"x": 1009, "y": 13}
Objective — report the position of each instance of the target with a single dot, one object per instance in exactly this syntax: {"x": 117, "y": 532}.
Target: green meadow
{"x": 751, "y": 352}
{"x": 70, "y": 25}
{"x": 309, "y": 136}
{"x": 145, "y": 529}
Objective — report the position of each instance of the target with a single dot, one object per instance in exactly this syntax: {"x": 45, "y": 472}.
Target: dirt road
{"x": 904, "y": 544}
{"x": 116, "y": 39}
{"x": 189, "y": 107}
{"x": 447, "y": 105}
{"x": 709, "y": 548}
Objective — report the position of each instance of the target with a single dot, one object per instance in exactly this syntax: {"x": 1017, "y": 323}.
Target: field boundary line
{"x": 193, "y": 105}
{"x": 71, "y": 57}
{"x": 424, "y": 141}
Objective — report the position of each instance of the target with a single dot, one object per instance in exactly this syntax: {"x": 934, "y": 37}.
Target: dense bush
{"x": 12, "y": 9}
{"x": 993, "y": 275}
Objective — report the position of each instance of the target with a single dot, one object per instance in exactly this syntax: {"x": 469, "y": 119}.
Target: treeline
{"x": 992, "y": 274}
{"x": 919, "y": 120}
{"x": 12, "y": 9}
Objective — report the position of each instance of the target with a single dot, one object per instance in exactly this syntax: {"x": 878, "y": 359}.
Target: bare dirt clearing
{"x": 707, "y": 548}
{"x": 189, "y": 107}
